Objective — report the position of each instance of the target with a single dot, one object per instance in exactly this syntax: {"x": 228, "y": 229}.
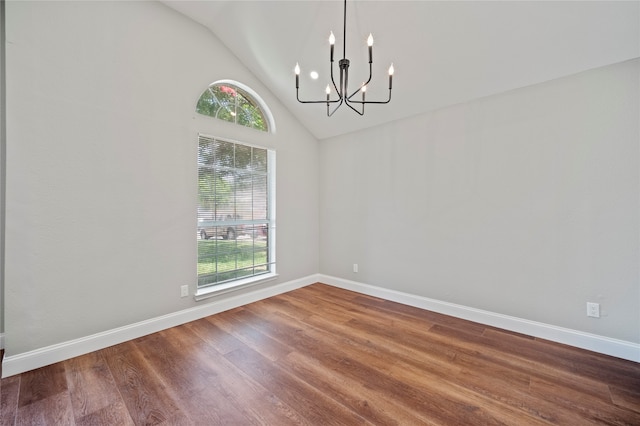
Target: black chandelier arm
{"x": 320, "y": 102}
{"x": 361, "y": 112}
{"x": 341, "y": 100}
{"x": 370, "y": 102}
{"x": 326, "y": 101}
{"x": 329, "y": 114}
{"x": 351, "y": 106}
{"x": 363, "y": 84}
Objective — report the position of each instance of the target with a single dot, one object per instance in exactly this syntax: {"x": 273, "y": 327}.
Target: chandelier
{"x": 344, "y": 98}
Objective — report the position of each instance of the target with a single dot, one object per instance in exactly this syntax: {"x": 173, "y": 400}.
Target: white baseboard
{"x": 31, "y": 360}
{"x": 605, "y": 345}
{"x": 20, "y": 363}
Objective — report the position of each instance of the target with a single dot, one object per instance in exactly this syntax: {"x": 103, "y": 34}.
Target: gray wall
{"x": 101, "y": 167}
{"x": 524, "y": 204}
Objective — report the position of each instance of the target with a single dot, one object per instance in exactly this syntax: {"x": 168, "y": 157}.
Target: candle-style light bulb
{"x": 297, "y": 71}
{"x": 370, "y": 44}
{"x": 332, "y": 42}
{"x": 391, "y": 70}
{"x": 363, "y": 90}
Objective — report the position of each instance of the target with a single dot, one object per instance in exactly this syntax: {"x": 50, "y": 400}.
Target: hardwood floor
{"x": 325, "y": 356}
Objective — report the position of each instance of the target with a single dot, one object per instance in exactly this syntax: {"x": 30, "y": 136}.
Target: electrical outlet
{"x": 593, "y": 310}
{"x": 355, "y": 267}
{"x": 184, "y": 291}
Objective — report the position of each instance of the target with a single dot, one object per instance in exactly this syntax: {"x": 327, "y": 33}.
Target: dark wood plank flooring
{"x": 326, "y": 356}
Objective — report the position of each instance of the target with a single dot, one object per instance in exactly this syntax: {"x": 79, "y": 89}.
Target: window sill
{"x": 217, "y": 290}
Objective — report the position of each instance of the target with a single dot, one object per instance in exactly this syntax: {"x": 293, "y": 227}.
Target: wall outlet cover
{"x": 593, "y": 310}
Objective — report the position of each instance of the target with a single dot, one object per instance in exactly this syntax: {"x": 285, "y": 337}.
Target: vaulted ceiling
{"x": 444, "y": 52}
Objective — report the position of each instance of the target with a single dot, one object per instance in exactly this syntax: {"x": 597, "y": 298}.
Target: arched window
{"x": 236, "y": 195}
{"x": 231, "y": 101}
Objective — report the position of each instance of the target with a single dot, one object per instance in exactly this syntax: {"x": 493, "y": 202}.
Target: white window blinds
{"x": 234, "y": 205}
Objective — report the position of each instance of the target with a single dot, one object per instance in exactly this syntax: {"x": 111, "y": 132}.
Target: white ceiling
{"x": 444, "y": 52}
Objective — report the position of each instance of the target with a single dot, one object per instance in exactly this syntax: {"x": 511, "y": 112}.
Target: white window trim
{"x": 217, "y": 290}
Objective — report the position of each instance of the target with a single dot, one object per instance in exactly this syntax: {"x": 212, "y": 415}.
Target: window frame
{"x": 213, "y": 289}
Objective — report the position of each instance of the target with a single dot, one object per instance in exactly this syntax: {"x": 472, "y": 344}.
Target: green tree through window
{"x": 228, "y": 102}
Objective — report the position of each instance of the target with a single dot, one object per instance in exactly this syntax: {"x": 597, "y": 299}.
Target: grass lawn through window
{"x": 222, "y": 260}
